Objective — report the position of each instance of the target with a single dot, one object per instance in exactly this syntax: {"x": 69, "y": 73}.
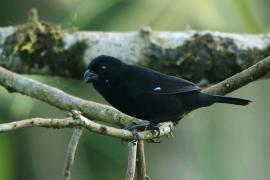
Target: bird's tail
{"x": 228, "y": 100}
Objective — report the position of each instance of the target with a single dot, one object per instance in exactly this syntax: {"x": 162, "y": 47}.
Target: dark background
{"x": 221, "y": 142}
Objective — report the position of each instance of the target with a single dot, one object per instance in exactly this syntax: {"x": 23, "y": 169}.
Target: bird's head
{"x": 104, "y": 69}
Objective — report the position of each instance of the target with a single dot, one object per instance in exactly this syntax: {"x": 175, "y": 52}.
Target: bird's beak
{"x": 89, "y": 77}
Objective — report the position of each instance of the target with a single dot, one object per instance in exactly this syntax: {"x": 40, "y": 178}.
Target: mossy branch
{"x": 204, "y": 57}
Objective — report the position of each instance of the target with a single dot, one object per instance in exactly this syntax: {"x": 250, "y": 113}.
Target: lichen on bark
{"x": 212, "y": 58}
{"x": 39, "y": 47}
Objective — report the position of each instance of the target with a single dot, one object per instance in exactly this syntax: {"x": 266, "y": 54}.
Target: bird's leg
{"x": 135, "y": 128}
{"x": 138, "y": 127}
{"x": 143, "y": 127}
{"x": 135, "y": 136}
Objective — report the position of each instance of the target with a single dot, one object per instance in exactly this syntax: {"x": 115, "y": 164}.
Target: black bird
{"x": 147, "y": 94}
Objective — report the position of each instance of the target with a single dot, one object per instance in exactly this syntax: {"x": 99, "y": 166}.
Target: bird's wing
{"x": 148, "y": 81}
{"x": 174, "y": 87}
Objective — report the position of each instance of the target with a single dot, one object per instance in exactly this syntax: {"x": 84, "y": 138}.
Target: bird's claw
{"x": 137, "y": 127}
{"x": 135, "y": 136}
{"x": 153, "y": 129}
{"x": 144, "y": 127}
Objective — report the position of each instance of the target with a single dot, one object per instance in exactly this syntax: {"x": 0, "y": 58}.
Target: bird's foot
{"x": 135, "y": 137}
{"x": 153, "y": 128}
{"x": 144, "y": 127}
{"x": 134, "y": 130}
{"x": 137, "y": 127}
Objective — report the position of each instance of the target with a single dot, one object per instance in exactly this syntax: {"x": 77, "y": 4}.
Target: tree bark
{"x": 132, "y": 151}
{"x": 140, "y": 164}
{"x": 71, "y": 151}
{"x": 203, "y": 57}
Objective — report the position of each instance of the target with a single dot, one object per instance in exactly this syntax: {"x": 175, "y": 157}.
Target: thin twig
{"x": 132, "y": 151}
{"x": 82, "y": 121}
{"x": 71, "y": 150}
{"x": 140, "y": 165}
{"x": 241, "y": 79}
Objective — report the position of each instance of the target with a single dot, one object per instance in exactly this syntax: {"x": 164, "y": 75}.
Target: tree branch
{"x": 243, "y": 78}
{"x": 132, "y": 150}
{"x": 207, "y": 53}
{"x": 71, "y": 150}
{"x": 140, "y": 165}
{"x": 81, "y": 121}
{"x": 17, "y": 83}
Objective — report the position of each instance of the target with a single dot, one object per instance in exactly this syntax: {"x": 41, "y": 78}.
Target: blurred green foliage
{"x": 221, "y": 142}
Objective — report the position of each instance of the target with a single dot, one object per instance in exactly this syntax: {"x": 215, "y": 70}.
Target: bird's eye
{"x": 103, "y": 68}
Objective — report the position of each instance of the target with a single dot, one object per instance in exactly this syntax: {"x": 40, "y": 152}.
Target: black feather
{"x": 227, "y": 100}
{"x": 147, "y": 94}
